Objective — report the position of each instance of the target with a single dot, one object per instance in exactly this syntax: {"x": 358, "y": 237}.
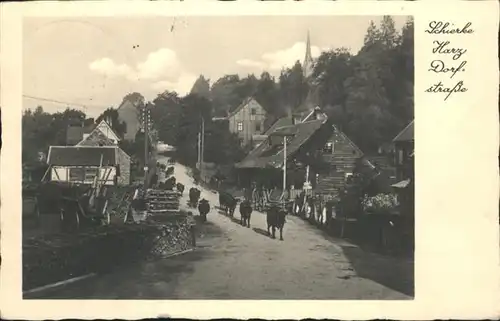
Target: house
{"x": 101, "y": 135}
{"x": 247, "y": 121}
{"x": 81, "y": 164}
{"x": 319, "y": 156}
{"x": 280, "y": 122}
{"x": 129, "y": 113}
{"x": 404, "y": 146}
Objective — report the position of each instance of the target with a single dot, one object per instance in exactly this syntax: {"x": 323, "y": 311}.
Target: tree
{"x": 193, "y": 109}
{"x": 366, "y": 105}
{"x": 331, "y": 70}
{"x": 201, "y": 87}
{"x": 224, "y": 95}
{"x": 293, "y": 87}
{"x": 135, "y": 98}
{"x": 166, "y": 112}
{"x": 267, "y": 95}
{"x": 41, "y": 130}
{"x": 403, "y": 65}
{"x": 221, "y": 146}
{"x": 110, "y": 115}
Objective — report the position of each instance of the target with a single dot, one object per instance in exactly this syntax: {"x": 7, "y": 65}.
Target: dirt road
{"x": 235, "y": 262}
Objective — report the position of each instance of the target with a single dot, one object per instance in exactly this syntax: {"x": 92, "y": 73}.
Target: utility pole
{"x": 284, "y": 164}
{"x": 202, "y": 145}
{"x": 146, "y": 123}
{"x": 199, "y": 150}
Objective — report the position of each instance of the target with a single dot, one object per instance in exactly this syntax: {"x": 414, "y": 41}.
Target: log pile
{"x": 119, "y": 201}
{"x": 54, "y": 258}
{"x": 176, "y": 235}
{"x": 162, "y": 201}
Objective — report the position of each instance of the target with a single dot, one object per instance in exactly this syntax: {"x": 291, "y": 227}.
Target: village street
{"x": 235, "y": 262}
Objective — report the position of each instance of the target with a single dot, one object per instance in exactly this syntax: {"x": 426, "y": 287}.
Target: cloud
{"x": 250, "y": 63}
{"x": 279, "y": 59}
{"x": 159, "y": 64}
{"x": 161, "y": 69}
{"x": 182, "y": 85}
{"x": 108, "y": 67}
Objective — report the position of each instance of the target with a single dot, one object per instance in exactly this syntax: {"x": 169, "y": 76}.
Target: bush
{"x": 380, "y": 203}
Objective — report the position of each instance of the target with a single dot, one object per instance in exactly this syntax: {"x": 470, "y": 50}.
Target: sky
{"x": 95, "y": 62}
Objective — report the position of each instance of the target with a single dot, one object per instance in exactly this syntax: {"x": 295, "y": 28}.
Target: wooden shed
{"x": 81, "y": 164}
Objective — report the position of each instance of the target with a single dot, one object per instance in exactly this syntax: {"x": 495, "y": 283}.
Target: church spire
{"x": 307, "y": 66}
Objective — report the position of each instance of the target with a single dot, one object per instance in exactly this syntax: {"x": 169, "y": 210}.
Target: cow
{"x": 169, "y": 171}
{"x": 276, "y": 219}
{"x": 194, "y": 196}
{"x": 227, "y": 203}
{"x": 170, "y": 183}
{"x": 204, "y": 209}
{"x": 246, "y": 212}
{"x": 224, "y": 199}
{"x": 180, "y": 188}
{"x": 154, "y": 180}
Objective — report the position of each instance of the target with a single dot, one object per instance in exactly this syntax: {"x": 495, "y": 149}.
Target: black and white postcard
{"x": 250, "y": 160}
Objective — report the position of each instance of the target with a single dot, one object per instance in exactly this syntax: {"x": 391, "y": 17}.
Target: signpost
{"x": 285, "y": 137}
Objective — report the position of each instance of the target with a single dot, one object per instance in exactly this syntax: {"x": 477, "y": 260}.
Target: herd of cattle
{"x": 275, "y": 214}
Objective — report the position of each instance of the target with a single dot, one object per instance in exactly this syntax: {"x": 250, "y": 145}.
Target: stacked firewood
{"x": 162, "y": 201}
{"x": 119, "y": 201}
{"x": 174, "y": 237}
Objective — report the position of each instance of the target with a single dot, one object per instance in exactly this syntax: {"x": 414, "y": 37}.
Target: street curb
{"x": 60, "y": 283}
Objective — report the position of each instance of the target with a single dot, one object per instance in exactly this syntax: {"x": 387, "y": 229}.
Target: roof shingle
{"x": 263, "y": 156}
{"x": 81, "y": 156}
{"x": 281, "y": 122}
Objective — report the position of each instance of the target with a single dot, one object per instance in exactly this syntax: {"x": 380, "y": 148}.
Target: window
{"x": 400, "y": 157}
{"x": 253, "y": 111}
{"x": 76, "y": 174}
{"x": 240, "y": 126}
{"x": 328, "y": 148}
{"x": 257, "y": 127}
{"x": 90, "y": 174}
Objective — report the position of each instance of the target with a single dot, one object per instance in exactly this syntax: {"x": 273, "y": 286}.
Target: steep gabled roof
{"x": 81, "y": 156}
{"x": 281, "y": 122}
{"x": 245, "y": 102}
{"x": 406, "y": 135}
{"x": 263, "y": 156}
{"x": 108, "y": 130}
